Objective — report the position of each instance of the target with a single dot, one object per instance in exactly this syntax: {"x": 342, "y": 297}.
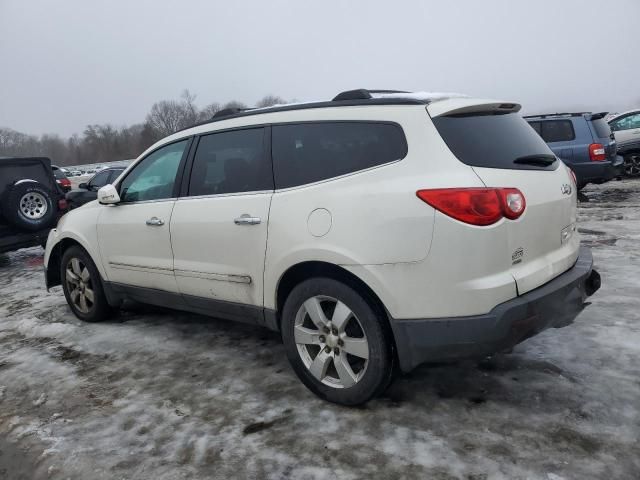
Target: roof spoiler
{"x": 598, "y": 116}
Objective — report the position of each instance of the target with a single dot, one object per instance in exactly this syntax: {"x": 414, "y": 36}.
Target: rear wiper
{"x": 539, "y": 159}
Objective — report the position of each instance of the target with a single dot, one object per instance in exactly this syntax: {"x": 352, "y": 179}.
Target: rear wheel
{"x": 336, "y": 342}
{"x": 82, "y": 286}
{"x": 632, "y": 164}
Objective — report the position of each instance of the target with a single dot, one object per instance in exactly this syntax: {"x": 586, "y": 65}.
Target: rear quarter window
{"x": 309, "y": 152}
{"x": 490, "y": 140}
{"x": 601, "y": 128}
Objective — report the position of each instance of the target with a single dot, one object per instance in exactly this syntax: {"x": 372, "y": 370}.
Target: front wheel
{"x": 82, "y": 286}
{"x": 336, "y": 342}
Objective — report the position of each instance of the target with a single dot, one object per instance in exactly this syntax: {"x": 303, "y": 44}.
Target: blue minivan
{"x": 583, "y": 141}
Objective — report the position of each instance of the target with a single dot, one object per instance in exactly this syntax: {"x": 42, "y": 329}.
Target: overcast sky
{"x": 65, "y": 64}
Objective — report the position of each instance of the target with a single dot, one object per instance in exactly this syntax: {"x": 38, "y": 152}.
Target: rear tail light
{"x": 476, "y": 206}
{"x": 597, "y": 152}
{"x": 572, "y": 174}
{"x": 62, "y": 204}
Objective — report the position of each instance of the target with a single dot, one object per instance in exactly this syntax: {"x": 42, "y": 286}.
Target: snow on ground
{"x": 155, "y": 394}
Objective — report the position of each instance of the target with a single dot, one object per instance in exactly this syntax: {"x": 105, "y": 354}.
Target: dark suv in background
{"x": 583, "y": 141}
{"x": 31, "y": 202}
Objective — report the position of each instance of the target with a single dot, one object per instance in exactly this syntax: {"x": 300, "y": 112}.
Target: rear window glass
{"x": 602, "y": 128}
{"x": 309, "y": 152}
{"x": 492, "y": 141}
{"x": 59, "y": 174}
{"x": 557, "y": 131}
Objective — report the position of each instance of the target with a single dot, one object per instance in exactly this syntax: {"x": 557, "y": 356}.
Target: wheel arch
{"x": 302, "y": 271}
{"x": 52, "y": 272}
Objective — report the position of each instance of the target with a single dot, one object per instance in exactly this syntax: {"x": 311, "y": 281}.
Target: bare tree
{"x": 269, "y": 101}
{"x": 102, "y": 143}
{"x": 209, "y": 111}
{"x": 234, "y": 104}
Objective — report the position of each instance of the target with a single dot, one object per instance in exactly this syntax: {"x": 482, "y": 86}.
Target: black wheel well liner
{"x": 310, "y": 269}
{"x": 55, "y": 257}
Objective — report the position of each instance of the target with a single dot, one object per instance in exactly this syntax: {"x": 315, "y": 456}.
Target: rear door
{"x": 602, "y": 134}
{"x": 219, "y": 229}
{"x": 505, "y": 152}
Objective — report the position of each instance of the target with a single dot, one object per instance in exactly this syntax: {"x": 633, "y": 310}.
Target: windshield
{"x": 494, "y": 141}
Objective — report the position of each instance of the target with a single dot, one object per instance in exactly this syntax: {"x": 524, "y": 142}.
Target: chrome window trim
{"x": 141, "y": 202}
{"x": 222, "y": 195}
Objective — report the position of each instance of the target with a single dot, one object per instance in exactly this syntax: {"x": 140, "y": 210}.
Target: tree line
{"x": 105, "y": 143}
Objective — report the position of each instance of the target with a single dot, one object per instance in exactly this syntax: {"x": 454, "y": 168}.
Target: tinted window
{"x": 309, "y": 152}
{"x": 492, "y": 141}
{"x": 602, "y": 128}
{"x": 59, "y": 174}
{"x": 154, "y": 177}
{"x": 557, "y": 131}
{"x": 231, "y": 162}
{"x": 99, "y": 180}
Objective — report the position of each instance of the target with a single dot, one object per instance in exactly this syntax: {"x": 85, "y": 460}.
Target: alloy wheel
{"x": 632, "y": 164}
{"x": 331, "y": 342}
{"x": 79, "y": 285}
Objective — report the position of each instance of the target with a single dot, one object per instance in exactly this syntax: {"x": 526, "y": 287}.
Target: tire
{"x": 79, "y": 276}
{"x": 631, "y": 165}
{"x": 29, "y": 205}
{"x": 312, "y": 349}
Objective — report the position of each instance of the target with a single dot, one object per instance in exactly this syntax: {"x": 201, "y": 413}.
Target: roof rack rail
{"x": 225, "y": 112}
{"x": 563, "y": 114}
{"x": 361, "y": 94}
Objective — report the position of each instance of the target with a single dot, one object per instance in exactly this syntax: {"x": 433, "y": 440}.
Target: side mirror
{"x": 84, "y": 186}
{"x": 108, "y": 195}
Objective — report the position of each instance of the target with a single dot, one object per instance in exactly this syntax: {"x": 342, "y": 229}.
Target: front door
{"x": 219, "y": 230}
{"x": 134, "y": 236}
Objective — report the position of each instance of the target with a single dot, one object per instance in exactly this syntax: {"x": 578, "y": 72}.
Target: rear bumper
{"x": 555, "y": 304}
{"x": 22, "y": 240}
{"x": 597, "y": 172}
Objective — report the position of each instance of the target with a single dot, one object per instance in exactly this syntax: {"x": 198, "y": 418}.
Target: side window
{"x": 626, "y": 123}
{"x": 231, "y": 162}
{"x": 557, "y": 131}
{"x": 99, "y": 180}
{"x": 154, "y": 177}
{"x": 309, "y": 152}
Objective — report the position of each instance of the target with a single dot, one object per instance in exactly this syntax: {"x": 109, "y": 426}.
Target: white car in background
{"x": 626, "y": 128}
{"x": 376, "y": 229}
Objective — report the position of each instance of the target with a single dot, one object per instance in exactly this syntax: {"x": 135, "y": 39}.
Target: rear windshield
{"x": 493, "y": 140}
{"x": 59, "y": 174}
{"x": 602, "y": 128}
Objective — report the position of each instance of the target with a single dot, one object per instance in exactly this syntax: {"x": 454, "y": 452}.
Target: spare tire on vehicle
{"x": 28, "y": 204}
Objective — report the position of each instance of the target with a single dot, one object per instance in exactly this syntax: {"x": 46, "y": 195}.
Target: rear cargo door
{"x": 505, "y": 151}
{"x": 602, "y": 134}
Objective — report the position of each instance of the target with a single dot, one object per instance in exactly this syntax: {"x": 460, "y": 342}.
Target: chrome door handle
{"x": 154, "y": 222}
{"x": 246, "y": 219}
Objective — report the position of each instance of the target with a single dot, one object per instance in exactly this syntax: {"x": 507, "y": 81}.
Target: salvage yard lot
{"x": 163, "y": 395}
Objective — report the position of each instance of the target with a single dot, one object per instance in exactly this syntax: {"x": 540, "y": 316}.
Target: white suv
{"x": 374, "y": 230}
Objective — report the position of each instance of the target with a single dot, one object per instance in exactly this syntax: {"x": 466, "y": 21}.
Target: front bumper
{"x": 554, "y": 304}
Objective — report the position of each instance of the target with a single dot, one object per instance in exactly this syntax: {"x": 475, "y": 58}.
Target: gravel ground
{"x": 156, "y": 394}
